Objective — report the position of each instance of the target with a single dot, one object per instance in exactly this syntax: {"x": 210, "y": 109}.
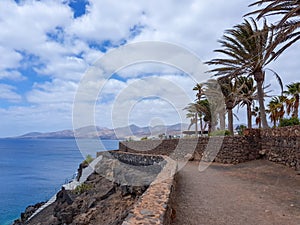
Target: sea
{"x": 33, "y": 170}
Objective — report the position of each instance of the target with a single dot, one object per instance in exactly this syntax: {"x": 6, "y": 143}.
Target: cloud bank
{"x": 47, "y": 46}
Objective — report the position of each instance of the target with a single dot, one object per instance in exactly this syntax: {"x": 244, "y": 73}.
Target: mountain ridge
{"x": 108, "y": 133}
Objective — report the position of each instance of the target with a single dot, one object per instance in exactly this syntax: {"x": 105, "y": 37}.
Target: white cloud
{"x": 142, "y": 100}
{"x": 10, "y": 60}
{"x": 107, "y": 20}
{"x": 195, "y": 25}
{"x": 7, "y": 92}
{"x": 18, "y": 120}
{"x": 26, "y": 25}
{"x": 57, "y": 91}
{"x": 147, "y": 68}
{"x": 12, "y": 75}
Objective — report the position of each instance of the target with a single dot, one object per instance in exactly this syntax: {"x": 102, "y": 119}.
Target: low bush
{"x": 82, "y": 188}
{"x": 220, "y": 133}
{"x": 240, "y": 129}
{"x": 289, "y": 122}
{"x": 88, "y": 159}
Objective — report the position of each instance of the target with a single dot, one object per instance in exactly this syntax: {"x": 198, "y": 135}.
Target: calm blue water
{"x": 34, "y": 170}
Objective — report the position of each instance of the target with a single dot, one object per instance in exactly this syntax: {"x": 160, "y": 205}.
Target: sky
{"x": 47, "y": 47}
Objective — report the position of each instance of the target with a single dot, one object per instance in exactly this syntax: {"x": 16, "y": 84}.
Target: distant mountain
{"x": 106, "y": 133}
{"x": 57, "y": 134}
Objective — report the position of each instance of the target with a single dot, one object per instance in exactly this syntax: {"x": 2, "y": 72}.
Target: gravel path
{"x": 253, "y": 193}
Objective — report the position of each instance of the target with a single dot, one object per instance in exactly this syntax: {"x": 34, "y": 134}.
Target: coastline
{"x": 34, "y": 170}
{"x": 33, "y": 210}
{"x": 97, "y": 192}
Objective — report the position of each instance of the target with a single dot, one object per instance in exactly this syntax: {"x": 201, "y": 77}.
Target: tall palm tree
{"x": 213, "y": 93}
{"x": 293, "y": 102}
{"x": 200, "y": 92}
{"x": 247, "y": 95}
{"x": 204, "y": 107}
{"x": 276, "y": 109}
{"x": 209, "y": 116}
{"x": 248, "y": 50}
{"x": 199, "y": 95}
{"x": 289, "y": 24}
{"x": 230, "y": 92}
{"x": 192, "y": 113}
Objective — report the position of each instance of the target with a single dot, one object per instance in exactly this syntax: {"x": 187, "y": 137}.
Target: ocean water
{"x": 32, "y": 171}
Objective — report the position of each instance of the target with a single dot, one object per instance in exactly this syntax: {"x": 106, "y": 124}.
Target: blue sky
{"x": 47, "y": 46}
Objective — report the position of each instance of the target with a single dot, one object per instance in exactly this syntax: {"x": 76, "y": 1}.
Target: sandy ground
{"x": 254, "y": 193}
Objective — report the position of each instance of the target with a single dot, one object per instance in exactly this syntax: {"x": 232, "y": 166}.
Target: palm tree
{"x": 288, "y": 26}
{"x": 200, "y": 92}
{"x": 199, "y": 95}
{"x": 276, "y": 109}
{"x": 192, "y": 114}
{"x": 293, "y": 102}
{"x": 213, "y": 90}
{"x": 247, "y": 95}
{"x": 256, "y": 113}
{"x": 230, "y": 92}
{"x": 248, "y": 51}
{"x": 209, "y": 116}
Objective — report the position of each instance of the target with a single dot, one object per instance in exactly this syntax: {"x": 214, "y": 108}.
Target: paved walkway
{"x": 253, "y": 193}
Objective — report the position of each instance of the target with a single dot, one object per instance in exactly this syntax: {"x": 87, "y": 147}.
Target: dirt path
{"x": 253, "y": 193}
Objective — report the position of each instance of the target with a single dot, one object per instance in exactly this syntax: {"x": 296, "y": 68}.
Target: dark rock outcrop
{"x": 99, "y": 201}
{"x": 106, "y": 197}
{"x": 27, "y": 213}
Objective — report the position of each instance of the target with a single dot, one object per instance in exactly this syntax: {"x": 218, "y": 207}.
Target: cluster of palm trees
{"x": 247, "y": 50}
{"x": 288, "y": 103}
{"x": 210, "y": 108}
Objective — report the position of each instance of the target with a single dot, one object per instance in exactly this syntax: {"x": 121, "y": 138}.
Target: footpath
{"x": 252, "y": 193}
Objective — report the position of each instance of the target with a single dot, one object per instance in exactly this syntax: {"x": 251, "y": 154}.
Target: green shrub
{"x": 289, "y": 122}
{"x": 240, "y": 129}
{"x": 129, "y": 139}
{"x": 82, "y": 188}
{"x": 220, "y": 133}
{"x": 144, "y": 138}
{"x": 88, "y": 159}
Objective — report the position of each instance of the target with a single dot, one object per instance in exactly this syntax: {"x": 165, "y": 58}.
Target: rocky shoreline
{"x": 97, "y": 201}
{"x": 106, "y": 197}
{"x": 28, "y": 213}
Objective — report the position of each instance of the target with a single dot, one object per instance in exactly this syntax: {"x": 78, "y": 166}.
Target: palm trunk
{"x": 222, "y": 120}
{"x": 295, "y": 111}
{"x": 201, "y": 125}
{"x": 196, "y": 125}
{"x": 209, "y": 127}
{"x": 230, "y": 121}
{"x": 259, "y": 78}
{"x": 259, "y": 124}
{"x": 249, "y": 115}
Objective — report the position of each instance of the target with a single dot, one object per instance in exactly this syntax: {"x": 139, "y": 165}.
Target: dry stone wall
{"x": 281, "y": 145}
{"x": 229, "y": 149}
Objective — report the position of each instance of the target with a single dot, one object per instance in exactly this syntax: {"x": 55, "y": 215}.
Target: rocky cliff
{"x": 105, "y": 198}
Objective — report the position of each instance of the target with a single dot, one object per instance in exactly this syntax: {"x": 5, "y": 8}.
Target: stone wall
{"x": 155, "y": 147}
{"x": 154, "y": 206}
{"x": 229, "y": 149}
{"x": 133, "y": 159}
{"x": 281, "y": 145}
